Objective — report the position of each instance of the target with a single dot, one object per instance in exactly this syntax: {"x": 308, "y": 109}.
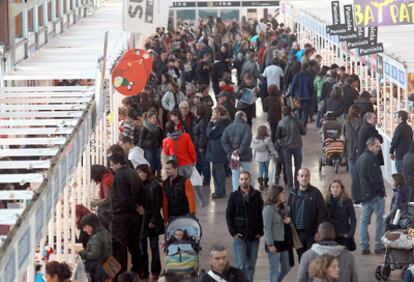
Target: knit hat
{"x": 90, "y": 219}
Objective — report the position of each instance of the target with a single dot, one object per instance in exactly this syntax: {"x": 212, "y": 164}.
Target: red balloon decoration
{"x": 132, "y": 71}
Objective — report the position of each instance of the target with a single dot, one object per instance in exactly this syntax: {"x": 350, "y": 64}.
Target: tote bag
{"x": 111, "y": 267}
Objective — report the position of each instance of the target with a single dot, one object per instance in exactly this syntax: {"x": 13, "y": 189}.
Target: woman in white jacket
{"x": 264, "y": 151}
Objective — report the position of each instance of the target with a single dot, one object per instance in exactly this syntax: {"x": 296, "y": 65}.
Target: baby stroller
{"x": 332, "y": 146}
{"x": 399, "y": 246}
{"x": 182, "y": 254}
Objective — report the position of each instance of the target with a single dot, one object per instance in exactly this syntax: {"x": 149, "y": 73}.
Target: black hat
{"x": 90, "y": 219}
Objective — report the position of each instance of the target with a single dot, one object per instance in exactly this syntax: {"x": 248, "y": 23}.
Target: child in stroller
{"x": 182, "y": 246}
{"x": 332, "y": 145}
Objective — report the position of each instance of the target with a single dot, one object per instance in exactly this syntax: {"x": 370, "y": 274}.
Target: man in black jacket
{"x": 127, "y": 196}
{"x": 221, "y": 270}
{"x": 366, "y": 131}
{"x": 349, "y": 94}
{"x": 245, "y": 223}
{"x": 307, "y": 208}
{"x": 369, "y": 190}
{"x": 401, "y": 140}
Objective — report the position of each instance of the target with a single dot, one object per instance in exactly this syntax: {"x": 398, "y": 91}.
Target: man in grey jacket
{"x": 288, "y": 134}
{"x": 328, "y": 246}
{"x": 238, "y": 137}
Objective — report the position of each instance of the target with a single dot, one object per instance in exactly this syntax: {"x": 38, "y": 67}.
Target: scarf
{"x": 174, "y": 135}
{"x": 151, "y": 127}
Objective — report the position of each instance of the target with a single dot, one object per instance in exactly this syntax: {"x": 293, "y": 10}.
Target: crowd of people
{"x": 207, "y": 135}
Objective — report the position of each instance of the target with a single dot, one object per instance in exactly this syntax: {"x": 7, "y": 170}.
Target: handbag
{"x": 297, "y": 244}
{"x": 111, "y": 267}
{"x": 235, "y": 160}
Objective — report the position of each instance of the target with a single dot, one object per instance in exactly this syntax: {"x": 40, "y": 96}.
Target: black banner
{"x": 336, "y": 29}
{"x": 363, "y": 42}
{"x": 349, "y": 17}
{"x": 336, "y": 14}
{"x": 351, "y": 36}
{"x": 361, "y": 32}
{"x": 184, "y": 4}
{"x": 259, "y": 3}
{"x": 218, "y": 4}
{"x": 373, "y": 35}
{"x": 371, "y": 49}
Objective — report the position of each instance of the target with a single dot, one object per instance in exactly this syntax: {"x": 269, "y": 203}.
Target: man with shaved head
{"x": 307, "y": 210}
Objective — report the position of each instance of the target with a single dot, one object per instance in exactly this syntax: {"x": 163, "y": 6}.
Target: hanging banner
{"x": 336, "y": 14}
{"x": 144, "y": 16}
{"x": 349, "y": 17}
{"x": 383, "y": 12}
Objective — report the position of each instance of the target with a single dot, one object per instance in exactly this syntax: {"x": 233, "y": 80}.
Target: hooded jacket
{"x": 238, "y": 136}
{"x": 170, "y": 101}
{"x": 150, "y": 137}
{"x": 180, "y": 144}
{"x": 348, "y": 271}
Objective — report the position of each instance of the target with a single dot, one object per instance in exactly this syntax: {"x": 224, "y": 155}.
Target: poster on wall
{"x": 143, "y": 17}
{"x": 383, "y": 12}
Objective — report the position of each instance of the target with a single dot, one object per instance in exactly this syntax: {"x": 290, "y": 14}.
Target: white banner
{"x": 144, "y": 16}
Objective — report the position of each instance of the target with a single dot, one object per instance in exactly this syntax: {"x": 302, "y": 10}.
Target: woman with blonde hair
{"x": 341, "y": 214}
{"x": 324, "y": 269}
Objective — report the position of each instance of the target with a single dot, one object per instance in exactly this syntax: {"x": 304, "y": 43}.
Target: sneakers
{"x": 215, "y": 196}
{"x": 366, "y": 252}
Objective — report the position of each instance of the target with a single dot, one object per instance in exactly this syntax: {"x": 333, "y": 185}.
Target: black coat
{"x": 150, "y": 140}
{"x": 367, "y": 180}
{"x": 127, "y": 191}
{"x": 364, "y": 105}
{"x": 200, "y": 134}
{"x": 215, "y": 152}
{"x": 152, "y": 206}
{"x": 315, "y": 210}
{"x": 244, "y": 214}
{"x": 350, "y": 95}
{"x": 342, "y": 216}
{"x": 364, "y": 133}
{"x": 334, "y": 105}
{"x": 231, "y": 274}
{"x": 401, "y": 140}
{"x": 407, "y": 171}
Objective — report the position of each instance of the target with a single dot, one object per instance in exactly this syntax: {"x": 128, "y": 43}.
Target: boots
{"x": 265, "y": 183}
{"x": 260, "y": 180}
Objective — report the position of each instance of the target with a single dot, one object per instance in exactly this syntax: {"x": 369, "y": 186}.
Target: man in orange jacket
{"x": 178, "y": 193}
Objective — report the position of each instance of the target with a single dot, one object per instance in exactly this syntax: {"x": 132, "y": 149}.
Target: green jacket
{"x": 99, "y": 246}
{"x": 317, "y": 85}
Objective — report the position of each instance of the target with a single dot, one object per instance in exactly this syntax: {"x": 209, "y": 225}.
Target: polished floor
{"x": 212, "y": 217}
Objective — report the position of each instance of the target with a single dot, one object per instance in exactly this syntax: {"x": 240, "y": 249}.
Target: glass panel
{"x": 30, "y": 20}
{"x": 185, "y": 15}
{"x": 205, "y": 14}
{"x": 230, "y": 15}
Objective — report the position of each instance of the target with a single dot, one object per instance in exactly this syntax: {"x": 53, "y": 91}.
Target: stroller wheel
{"x": 320, "y": 165}
{"x": 385, "y": 272}
{"x": 378, "y": 272}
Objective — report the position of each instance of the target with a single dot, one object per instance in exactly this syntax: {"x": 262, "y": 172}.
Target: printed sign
{"x": 336, "y": 29}
{"x": 372, "y": 49}
{"x": 373, "y": 35}
{"x": 349, "y": 17}
{"x": 336, "y": 14}
{"x": 383, "y": 12}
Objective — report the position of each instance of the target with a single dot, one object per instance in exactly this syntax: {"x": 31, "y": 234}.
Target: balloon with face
{"x": 129, "y": 77}
{"x": 141, "y": 56}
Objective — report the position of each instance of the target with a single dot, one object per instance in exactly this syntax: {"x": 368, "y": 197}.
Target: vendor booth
{"x": 388, "y": 76}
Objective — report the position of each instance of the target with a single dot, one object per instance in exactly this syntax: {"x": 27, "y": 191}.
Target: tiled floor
{"x": 212, "y": 217}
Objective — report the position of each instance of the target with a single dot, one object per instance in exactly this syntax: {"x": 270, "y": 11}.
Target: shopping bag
{"x": 235, "y": 160}
{"x": 195, "y": 178}
{"x": 297, "y": 244}
{"x": 111, "y": 267}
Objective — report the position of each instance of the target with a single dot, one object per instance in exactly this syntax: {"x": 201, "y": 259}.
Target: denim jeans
{"x": 287, "y": 156}
{"x": 398, "y": 165}
{"x": 235, "y": 173}
{"x": 263, "y": 169}
{"x": 278, "y": 266}
{"x": 154, "y": 158}
{"x": 351, "y": 166}
{"x": 199, "y": 195}
{"x": 305, "y": 110}
{"x": 219, "y": 178}
{"x": 155, "y": 256}
{"x": 375, "y": 205}
{"x": 245, "y": 253}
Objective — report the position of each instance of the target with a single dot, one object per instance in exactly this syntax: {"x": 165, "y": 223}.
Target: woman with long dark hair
{"x": 341, "y": 214}
{"x": 274, "y": 219}
{"x": 103, "y": 176}
{"x": 350, "y": 131}
{"x": 152, "y": 223}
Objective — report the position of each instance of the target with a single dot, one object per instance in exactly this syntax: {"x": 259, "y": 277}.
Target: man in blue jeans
{"x": 369, "y": 190}
{"x": 245, "y": 223}
{"x": 289, "y": 136}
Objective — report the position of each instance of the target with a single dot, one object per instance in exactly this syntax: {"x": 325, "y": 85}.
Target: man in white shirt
{"x": 273, "y": 73}
{"x": 135, "y": 153}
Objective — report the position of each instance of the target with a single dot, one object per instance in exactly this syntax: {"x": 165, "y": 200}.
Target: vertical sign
{"x": 361, "y": 32}
{"x": 336, "y": 14}
{"x": 373, "y": 35}
{"x": 349, "y": 17}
